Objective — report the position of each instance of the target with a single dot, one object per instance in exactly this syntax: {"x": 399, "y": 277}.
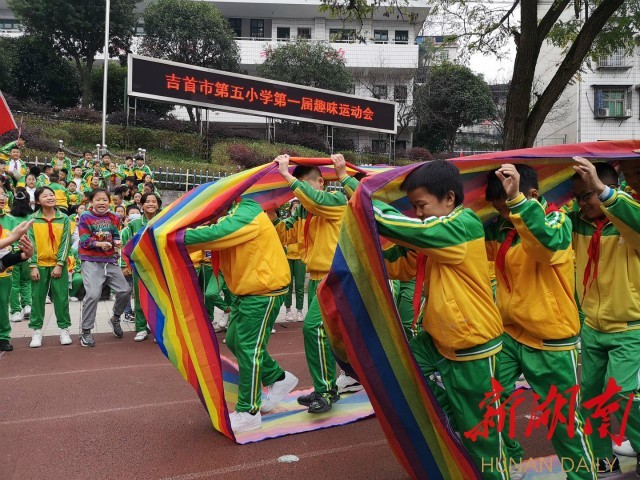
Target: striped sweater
{"x": 93, "y": 228}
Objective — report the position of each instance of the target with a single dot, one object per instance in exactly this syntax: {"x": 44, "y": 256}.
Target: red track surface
{"x": 121, "y": 410}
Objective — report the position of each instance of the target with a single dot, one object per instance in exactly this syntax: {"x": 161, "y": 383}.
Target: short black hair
{"x": 85, "y": 152}
{"x": 131, "y": 207}
{"x": 65, "y": 171}
{"x": 105, "y": 155}
{"x": 528, "y": 181}
{"x": 54, "y": 177}
{"x": 47, "y": 167}
{"x": 606, "y": 173}
{"x": 15, "y": 147}
{"x": 438, "y": 177}
{"x": 144, "y": 197}
{"x": 93, "y": 193}
{"x": 60, "y": 150}
{"x": 128, "y": 157}
{"x": 130, "y": 178}
{"x": 304, "y": 171}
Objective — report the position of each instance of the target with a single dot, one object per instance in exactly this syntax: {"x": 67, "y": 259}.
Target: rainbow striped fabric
{"x": 360, "y": 316}
{"x": 363, "y": 323}
{"x": 170, "y": 294}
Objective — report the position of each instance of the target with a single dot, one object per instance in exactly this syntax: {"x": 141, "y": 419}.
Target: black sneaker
{"x": 323, "y": 402}
{"x": 86, "y": 339}
{"x": 115, "y": 324}
{"x": 5, "y": 346}
{"x": 129, "y": 318}
{"x": 308, "y": 399}
{"x": 608, "y": 467}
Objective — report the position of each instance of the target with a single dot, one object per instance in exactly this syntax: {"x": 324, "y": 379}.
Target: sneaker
{"x": 16, "y": 317}
{"x": 323, "y": 402}
{"x": 73, "y": 299}
{"x": 517, "y": 472}
{"x": 129, "y": 318}
{"x": 36, "y": 339}
{"x": 245, "y": 422}
{"x": 347, "y": 384}
{"x": 224, "y": 321}
{"x": 65, "y": 338}
{"x": 608, "y": 467}
{"x": 216, "y": 327}
{"x": 141, "y": 336}
{"x": 5, "y": 346}
{"x": 112, "y": 297}
{"x": 289, "y": 316}
{"x": 47, "y": 301}
{"x": 26, "y": 311}
{"x": 87, "y": 340}
{"x": 309, "y": 398}
{"x": 277, "y": 391}
{"x": 273, "y": 330}
{"x": 300, "y": 316}
{"x": 115, "y": 325}
{"x": 625, "y": 449}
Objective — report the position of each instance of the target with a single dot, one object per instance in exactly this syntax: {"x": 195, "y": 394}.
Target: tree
{"x": 452, "y": 97}
{"x": 116, "y": 77}
{"x": 583, "y": 28}
{"x": 307, "y": 63}
{"x": 75, "y": 28}
{"x": 190, "y": 32}
{"x": 31, "y": 70}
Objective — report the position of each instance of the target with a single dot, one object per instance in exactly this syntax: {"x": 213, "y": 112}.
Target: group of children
{"x": 470, "y": 334}
{"x": 77, "y": 230}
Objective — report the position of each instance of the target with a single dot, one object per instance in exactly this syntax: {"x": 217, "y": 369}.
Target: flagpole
{"x": 106, "y": 69}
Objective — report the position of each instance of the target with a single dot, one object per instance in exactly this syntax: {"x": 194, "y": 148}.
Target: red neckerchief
{"x": 421, "y": 271}
{"x": 306, "y": 231}
{"x": 52, "y": 235}
{"x": 594, "y": 256}
{"x": 506, "y": 245}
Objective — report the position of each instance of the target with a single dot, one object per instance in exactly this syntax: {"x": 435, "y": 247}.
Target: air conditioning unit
{"x": 603, "y": 112}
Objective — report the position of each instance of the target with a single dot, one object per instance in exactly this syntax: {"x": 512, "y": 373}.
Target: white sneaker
{"x": 216, "y": 326}
{"x": 224, "y": 321}
{"x": 277, "y": 391}
{"x": 289, "y": 316}
{"x": 26, "y": 311}
{"x": 517, "y": 473}
{"x": 347, "y": 384}
{"x": 245, "y": 422}
{"x": 16, "y": 317}
{"x": 112, "y": 297}
{"x": 73, "y": 299}
{"x": 273, "y": 330}
{"x": 47, "y": 301}
{"x": 625, "y": 449}
{"x": 141, "y": 336}
{"x": 300, "y": 316}
{"x": 36, "y": 339}
{"x": 65, "y": 338}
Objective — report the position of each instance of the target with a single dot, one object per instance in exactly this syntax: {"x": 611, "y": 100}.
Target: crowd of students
{"x": 581, "y": 261}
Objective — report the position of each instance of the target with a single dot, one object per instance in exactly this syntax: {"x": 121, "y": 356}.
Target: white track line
{"x": 88, "y": 370}
{"x": 272, "y": 461}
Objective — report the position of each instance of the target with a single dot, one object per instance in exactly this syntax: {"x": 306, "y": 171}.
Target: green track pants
{"x": 298, "y": 271}
{"x": 465, "y": 385}
{"x": 59, "y": 297}
{"x": 320, "y": 359}
{"x": 20, "y": 287}
{"x": 543, "y": 369}
{"x": 252, "y": 318}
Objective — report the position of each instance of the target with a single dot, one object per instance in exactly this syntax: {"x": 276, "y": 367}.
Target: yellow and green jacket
{"x": 129, "y": 232}
{"x": 140, "y": 172}
{"x": 401, "y": 263}
{"x": 291, "y": 233}
{"x": 612, "y": 302}
{"x": 22, "y": 169}
{"x": 460, "y": 315}
{"x": 73, "y": 262}
{"x": 42, "y": 181}
{"x": 62, "y": 195}
{"x": 327, "y": 210}
{"x": 125, "y": 171}
{"x": 536, "y": 302}
{"x": 75, "y": 198}
{"x": 251, "y": 256}
{"x": 7, "y": 224}
{"x": 50, "y": 239}
{"x": 66, "y": 164}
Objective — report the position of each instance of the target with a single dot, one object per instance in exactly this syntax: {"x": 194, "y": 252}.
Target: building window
{"x": 304, "y": 33}
{"x": 342, "y": 35}
{"x": 256, "y": 28}
{"x": 444, "y": 55}
{"x": 380, "y": 91}
{"x": 380, "y": 36}
{"x": 402, "y": 36}
{"x": 139, "y": 30}
{"x": 283, "y": 33}
{"x": 379, "y": 146}
{"x": 236, "y": 26}
{"x": 612, "y": 102}
{"x": 400, "y": 93}
{"x": 9, "y": 24}
{"x": 401, "y": 146}
{"x": 616, "y": 60}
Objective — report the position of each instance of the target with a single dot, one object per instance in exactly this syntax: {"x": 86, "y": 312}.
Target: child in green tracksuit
{"x": 530, "y": 244}
{"x": 151, "y": 205}
{"x": 293, "y": 241}
{"x": 462, "y": 329}
{"x": 322, "y": 226}
{"x": 75, "y": 275}
{"x": 606, "y": 238}
{"x": 50, "y": 235}
{"x": 257, "y": 273}
{"x": 20, "y": 304}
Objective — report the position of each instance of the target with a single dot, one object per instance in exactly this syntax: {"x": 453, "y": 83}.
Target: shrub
{"x": 80, "y": 115}
{"x": 419, "y": 154}
{"x": 243, "y": 155}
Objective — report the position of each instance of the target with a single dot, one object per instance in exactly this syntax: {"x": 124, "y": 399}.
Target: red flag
{"x": 7, "y": 122}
